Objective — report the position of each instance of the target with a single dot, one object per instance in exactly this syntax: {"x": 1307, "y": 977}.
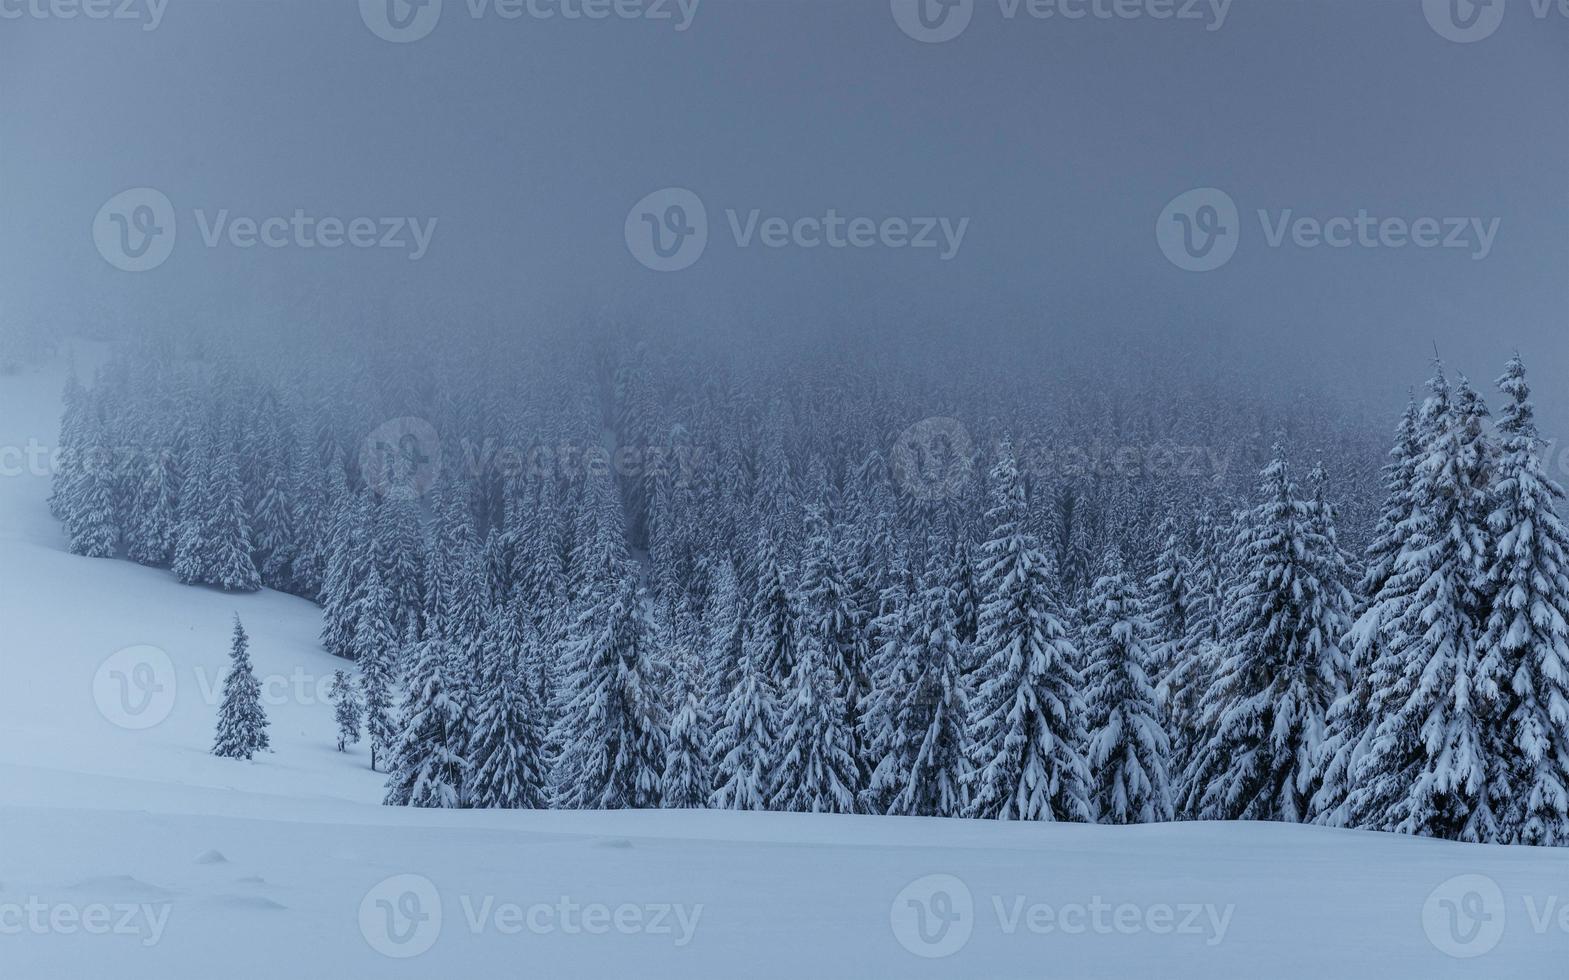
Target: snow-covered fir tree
{"x": 1027, "y": 717}
{"x": 1128, "y": 752}
{"x": 613, "y": 740}
{"x": 1279, "y": 665}
{"x": 933, "y": 712}
{"x": 242, "y": 719}
{"x": 428, "y": 766}
{"x": 685, "y": 782}
{"x": 814, "y": 768}
{"x": 507, "y": 747}
{"x": 348, "y": 709}
{"x": 1431, "y": 767}
{"x": 1527, "y": 629}
{"x": 743, "y": 744}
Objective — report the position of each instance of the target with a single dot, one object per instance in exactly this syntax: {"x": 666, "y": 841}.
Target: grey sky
{"x": 1059, "y": 140}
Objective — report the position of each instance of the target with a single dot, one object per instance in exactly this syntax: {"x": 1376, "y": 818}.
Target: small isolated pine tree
{"x": 1128, "y": 749}
{"x": 349, "y": 710}
{"x": 242, "y": 720}
{"x": 1027, "y": 719}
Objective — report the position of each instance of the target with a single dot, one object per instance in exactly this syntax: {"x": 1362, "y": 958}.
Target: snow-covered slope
{"x": 127, "y": 851}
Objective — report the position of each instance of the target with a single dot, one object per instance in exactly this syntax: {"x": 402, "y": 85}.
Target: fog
{"x": 520, "y": 144}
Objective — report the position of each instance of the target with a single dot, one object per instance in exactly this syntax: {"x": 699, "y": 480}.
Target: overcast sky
{"x": 1055, "y": 142}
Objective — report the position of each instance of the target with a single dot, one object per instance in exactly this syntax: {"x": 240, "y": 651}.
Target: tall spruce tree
{"x": 1527, "y": 630}
{"x": 507, "y": 747}
{"x": 814, "y": 769}
{"x": 1129, "y": 752}
{"x": 1279, "y": 666}
{"x": 612, "y": 740}
{"x": 1430, "y": 768}
{"x": 1027, "y": 718}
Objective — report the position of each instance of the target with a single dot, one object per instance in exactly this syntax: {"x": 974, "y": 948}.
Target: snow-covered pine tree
{"x": 1176, "y": 652}
{"x": 612, "y": 741}
{"x": 1430, "y": 768}
{"x": 348, "y": 709}
{"x": 889, "y": 734}
{"x": 743, "y": 744}
{"x": 151, "y": 536}
{"x": 1128, "y": 752}
{"x": 428, "y": 767}
{"x": 934, "y": 708}
{"x": 773, "y": 626}
{"x": 242, "y": 720}
{"x": 724, "y": 623}
{"x": 1027, "y": 716}
{"x": 828, "y": 613}
{"x": 1527, "y": 630}
{"x": 685, "y": 782}
{"x": 814, "y": 769}
{"x": 1382, "y": 590}
{"x": 507, "y": 746}
{"x": 1278, "y": 669}
{"x": 375, "y": 649}
{"x": 226, "y": 534}
{"x": 90, "y": 518}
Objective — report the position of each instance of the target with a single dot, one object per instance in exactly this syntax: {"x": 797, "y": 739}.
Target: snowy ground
{"x": 127, "y": 851}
